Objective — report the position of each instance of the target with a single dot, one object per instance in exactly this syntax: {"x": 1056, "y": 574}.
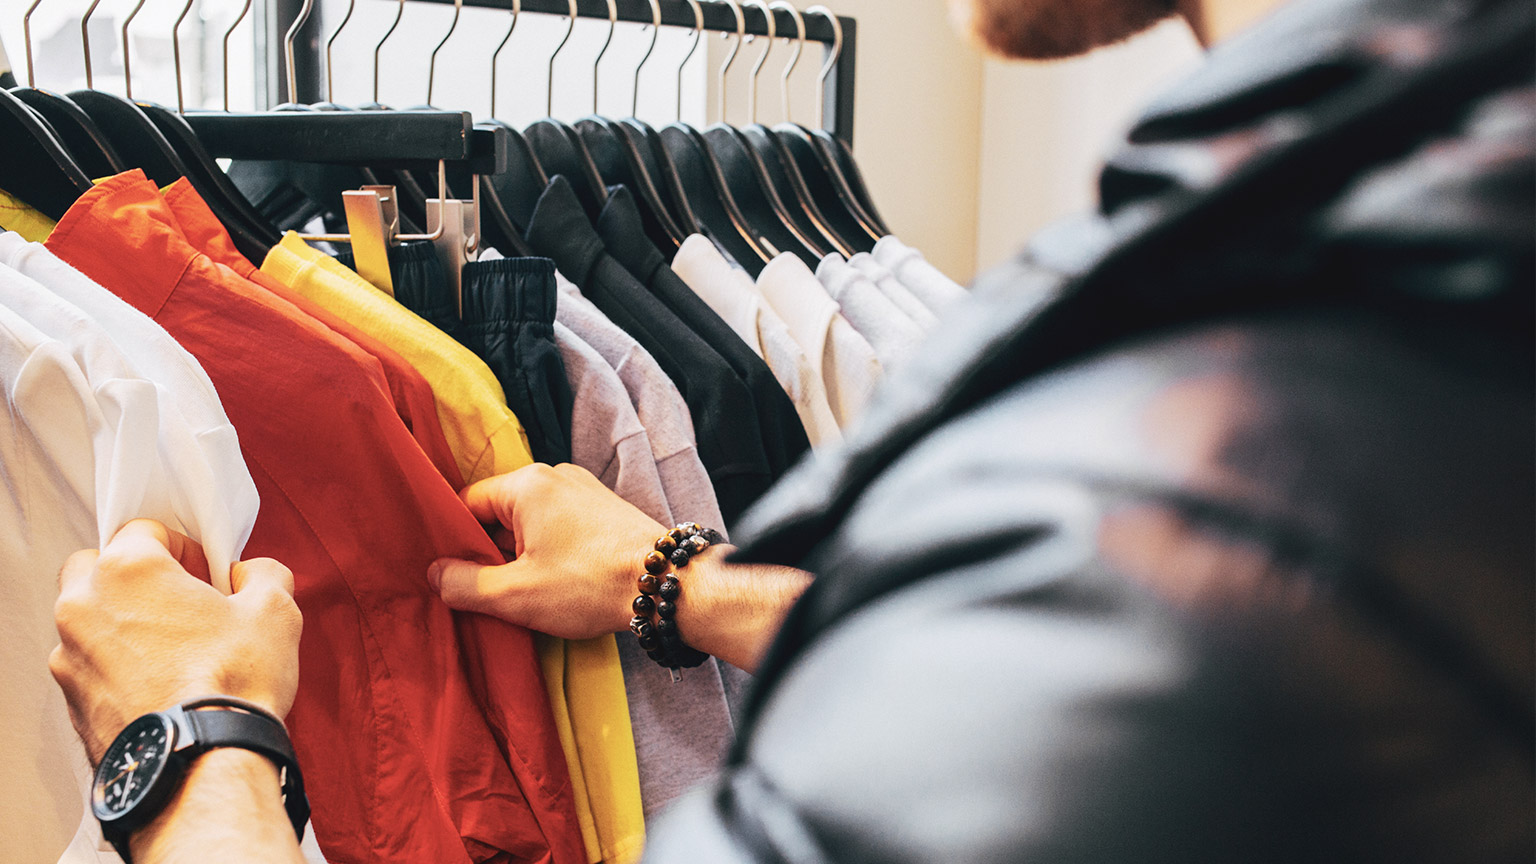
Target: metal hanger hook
{"x": 517, "y": 9}
{"x": 85, "y": 40}
{"x": 181, "y": 105}
{"x": 698, "y": 33}
{"x": 613, "y": 20}
{"x": 26, "y": 35}
{"x": 741, "y": 32}
{"x": 634, "y": 103}
{"x": 827, "y": 67}
{"x": 458, "y": 7}
{"x": 292, "y": 34}
{"x": 549, "y": 98}
{"x": 794, "y": 57}
{"x": 330, "y": 79}
{"x": 399, "y": 13}
{"x": 228, "y": 33}
{"x": 761, "y": 58}
{"x": 127, "y": 53}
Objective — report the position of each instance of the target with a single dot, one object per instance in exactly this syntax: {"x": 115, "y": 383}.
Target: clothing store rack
{"x": 837, "y": 99}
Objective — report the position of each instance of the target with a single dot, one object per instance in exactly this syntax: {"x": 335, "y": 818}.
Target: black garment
{"x": 623, "y": 234}
{"x": 509, "y": 322}
{"x": 1225, "y": 554}
{"x": 725, "y": 423}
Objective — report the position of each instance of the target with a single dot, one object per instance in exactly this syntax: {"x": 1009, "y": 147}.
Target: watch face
{"x": 130, "y": 766}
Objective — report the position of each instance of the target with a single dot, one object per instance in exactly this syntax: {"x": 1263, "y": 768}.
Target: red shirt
{"x": 413, "y": 750}
{"x": 412, "y": 394}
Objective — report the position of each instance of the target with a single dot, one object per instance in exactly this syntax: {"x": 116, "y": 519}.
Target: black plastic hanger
{"x": 138, "y": 142}
{"x": 75, "y": 129}
{"x": 559, "y": 148}
{"x": 34, "y": 166}
{"x": 745, "y": 173}
{"x": 833, "y": 222}
{"x": 619, "y": 161}
{"x": 828, "y": 185}
{"x": 704, "y": 185}
{"x": 782, "y": 173}
{"x": 645, "y": 142}
{"x": 814, "y": 154}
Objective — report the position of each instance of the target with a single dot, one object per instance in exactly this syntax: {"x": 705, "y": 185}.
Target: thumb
{"x": 260, "y": 576}
{"x": 472, "y": 587}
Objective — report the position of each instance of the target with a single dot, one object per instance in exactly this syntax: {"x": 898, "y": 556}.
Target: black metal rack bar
{"x": 838, "y": 99}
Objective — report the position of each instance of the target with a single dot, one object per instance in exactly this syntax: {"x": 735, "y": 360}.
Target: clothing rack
{"x": 718, "y": 18}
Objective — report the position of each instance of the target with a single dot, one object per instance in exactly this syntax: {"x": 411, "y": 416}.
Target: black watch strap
{"x": 258, "y": 732}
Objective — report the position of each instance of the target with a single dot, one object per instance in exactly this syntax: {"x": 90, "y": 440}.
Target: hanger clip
{"x": 373, "y": 220}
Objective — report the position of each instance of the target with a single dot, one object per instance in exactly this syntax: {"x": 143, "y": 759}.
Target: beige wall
{"x": 1046, "y": 128}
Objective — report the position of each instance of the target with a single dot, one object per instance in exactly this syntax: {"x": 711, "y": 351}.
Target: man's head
{"x": 1047, "y": 29}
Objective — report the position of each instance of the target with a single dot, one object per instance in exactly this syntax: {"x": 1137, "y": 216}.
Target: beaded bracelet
{"x": 659, "y": 592}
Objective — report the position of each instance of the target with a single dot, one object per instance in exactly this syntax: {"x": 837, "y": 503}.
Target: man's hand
{"x": 142, "y": 630}
{"x": 577, "y": 549}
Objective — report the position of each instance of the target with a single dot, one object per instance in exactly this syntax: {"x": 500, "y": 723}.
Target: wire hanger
{"x": 71, "y": 125}
{"x": 824, "y": 161}
{"x": 702, "y": 178}
{"x": 559, "y": 148}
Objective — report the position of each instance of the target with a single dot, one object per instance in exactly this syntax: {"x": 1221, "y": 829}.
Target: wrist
{"x": 220, "y": 784}
{"x": 733, "y": 612}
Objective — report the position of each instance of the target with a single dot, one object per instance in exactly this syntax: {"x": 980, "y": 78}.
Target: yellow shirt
{"x": 583, "y": 678}
{"x": 16, "y": 216}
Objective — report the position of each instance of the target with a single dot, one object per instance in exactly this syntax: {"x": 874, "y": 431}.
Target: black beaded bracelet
{"x": 659, "y": 593}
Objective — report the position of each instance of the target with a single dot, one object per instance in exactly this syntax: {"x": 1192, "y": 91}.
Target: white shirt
{"x": 894, "y": 291}
{"x": 172, "y": 457}
{"x": 157, "y": 356}
{"x": 924, "y": 280}
{"x": 735, "y": 297}
{"x": 86, "y": 451}
{"x": 848, "y": 363}
{"x": 889, "y": 331}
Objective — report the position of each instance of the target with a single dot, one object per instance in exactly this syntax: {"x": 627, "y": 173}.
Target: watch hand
{"x": 129, "y": 770}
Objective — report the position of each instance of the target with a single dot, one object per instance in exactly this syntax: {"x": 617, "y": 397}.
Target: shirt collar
{"x": 123, "y": 235}
{"x": 727, "y": 291}
{"x": 623, "y": 232}
{"x": 559, "y": 229}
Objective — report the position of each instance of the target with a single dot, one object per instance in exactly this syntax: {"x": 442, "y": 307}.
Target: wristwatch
{"x": 147, "y": 760}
